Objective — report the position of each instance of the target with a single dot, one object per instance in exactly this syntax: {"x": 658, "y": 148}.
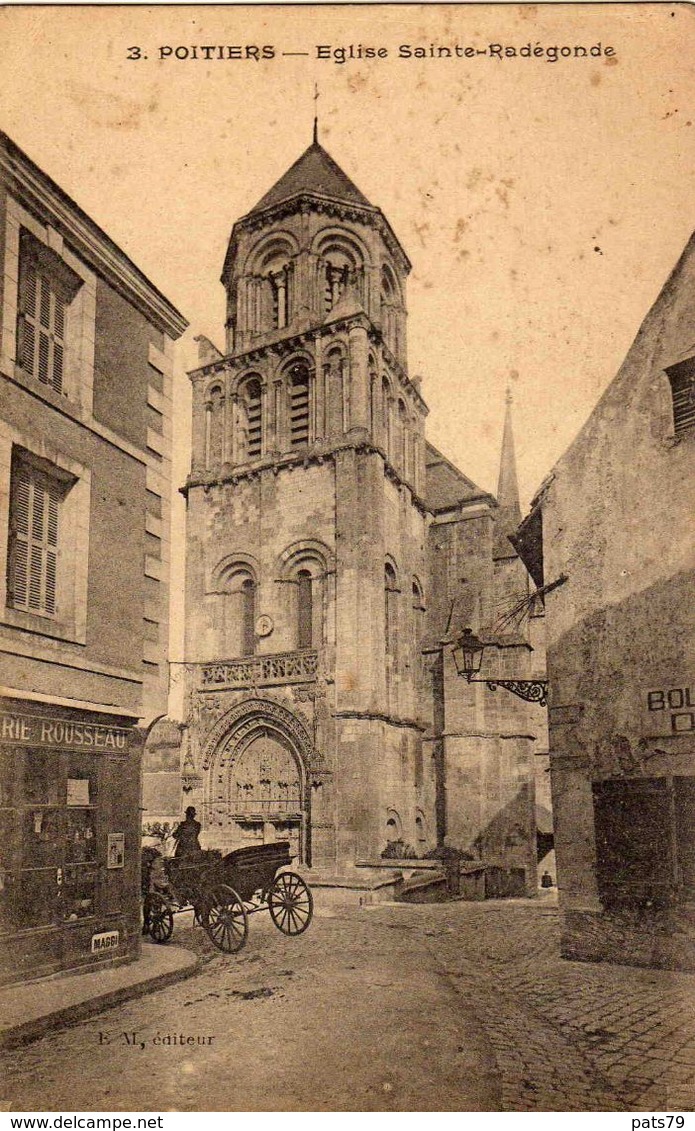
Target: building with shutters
{"x": 329, "y": 546}
{"x": 85, "y": 439}
{"x": 616, "y": 515}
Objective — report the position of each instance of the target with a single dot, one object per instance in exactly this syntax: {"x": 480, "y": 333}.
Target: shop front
{"x": 69, "y": 839}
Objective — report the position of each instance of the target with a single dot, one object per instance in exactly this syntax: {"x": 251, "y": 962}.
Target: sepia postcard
{"x": 347, "y": 680}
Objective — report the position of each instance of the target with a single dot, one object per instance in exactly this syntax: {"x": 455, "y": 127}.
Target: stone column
{"x": 234, "y": 428}
{"x": 359, "y": 378}
{"x": 278, "y": 390}
{"x": 198, "y": 445}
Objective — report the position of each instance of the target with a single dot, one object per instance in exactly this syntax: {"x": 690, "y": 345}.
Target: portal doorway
{"x": 265, "y": 793}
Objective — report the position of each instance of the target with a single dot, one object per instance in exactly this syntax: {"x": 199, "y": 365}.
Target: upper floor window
{"x": 252, "y": 407}
{"x": 299, "y": 383}
{"x": 390, "y": 303}
{"x": 280, "y": 291}
{"x": 248, "y": 616}
{"x": 36, "y": 499}
{"x": 390, "y": 609}
{"x": 386, "y": 416}
{"x": 305, "y": 610}
{"x": 403, "y": 438}
{"x": 337, "y": 278}
{"x": 682, "y": 379}
{"x": 214, "y": 426}
{"x": 46, "y": 288}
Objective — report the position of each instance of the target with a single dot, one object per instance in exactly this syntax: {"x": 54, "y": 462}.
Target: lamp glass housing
{"x": 468, "y": 654}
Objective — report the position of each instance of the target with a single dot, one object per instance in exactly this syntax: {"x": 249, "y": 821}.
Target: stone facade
{"x": 85, "y": 444}
{"x": 616, "y": 516}
{"x": 326, "y": 543}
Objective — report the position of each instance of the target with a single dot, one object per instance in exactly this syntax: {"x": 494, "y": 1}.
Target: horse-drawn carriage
{"x": 223, "y": 891}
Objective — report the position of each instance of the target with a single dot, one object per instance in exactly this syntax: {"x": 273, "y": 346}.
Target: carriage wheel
{"x": 159, "y": 919}
{"x": 290, "y": 903}
{"x": 225, "y": 919}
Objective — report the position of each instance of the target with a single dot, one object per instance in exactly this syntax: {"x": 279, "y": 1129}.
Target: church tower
{"x": 306, "y": 539}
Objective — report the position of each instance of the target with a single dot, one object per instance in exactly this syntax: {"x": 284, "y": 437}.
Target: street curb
{"x": 38, "y": 1027}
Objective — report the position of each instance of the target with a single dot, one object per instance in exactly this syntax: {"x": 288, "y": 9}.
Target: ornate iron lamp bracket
{"x": 532, "y": 690}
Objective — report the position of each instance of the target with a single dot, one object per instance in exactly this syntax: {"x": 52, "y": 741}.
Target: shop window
{"x": 48, "y": 855}
{"x": 36, "y": 499}
{"x": 684, "y": 805}
{"x": 643, "y": 829}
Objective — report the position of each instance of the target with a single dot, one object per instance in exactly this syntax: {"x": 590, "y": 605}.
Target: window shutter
{"x": 33, "y": 553}
{"x": 41, "y": 322}
{"x": 19, "y": 538}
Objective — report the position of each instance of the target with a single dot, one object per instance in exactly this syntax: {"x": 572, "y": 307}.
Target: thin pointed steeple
{"x": 508, "y": 516}
{"x": 316, "y": 113}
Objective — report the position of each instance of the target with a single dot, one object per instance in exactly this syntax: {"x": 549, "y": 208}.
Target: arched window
{"x": 391, "y": 610}
{"x": 389, "y": 308}
{"x": 394, "y": 825}
{"x": 402, "y": 450}
{"x": 303, "y": 566}
{"x": 373, "y": 400}
{"x": 340, "y": 265}
{"x": 420, "y": 829}
{"x": 251, "y": 411}
{"x": 417, "y": 621}
{"x": 248, "y": 617}
{"x": 235, "y": 617}
{"x": 214, "y": 426}
{"x": 335, "y": 391}
{"x": 281, "y": 296}
{"x": 305, "y": 609}
{"x": 269, "y": 284}
{"x": 386, "y": 416}
{"x": 299, "y": 386}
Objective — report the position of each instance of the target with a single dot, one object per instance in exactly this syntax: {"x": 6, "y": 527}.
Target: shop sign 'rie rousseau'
{"x": 36, "y": 730}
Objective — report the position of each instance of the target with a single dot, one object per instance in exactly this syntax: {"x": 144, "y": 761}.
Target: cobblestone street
{"x": 566, "y": 1036}
{"x": 460, "y": 1006}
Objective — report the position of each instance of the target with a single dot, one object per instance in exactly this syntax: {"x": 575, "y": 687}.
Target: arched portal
{"x": 258, "y": 787}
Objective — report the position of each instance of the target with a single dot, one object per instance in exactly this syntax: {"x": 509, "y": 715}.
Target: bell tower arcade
{"x": 307, "y": 534}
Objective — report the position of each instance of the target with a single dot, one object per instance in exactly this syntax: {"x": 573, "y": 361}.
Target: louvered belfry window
{"x": 34, "y": 530}
{"x": 254, "y": 415}
{"x": 43, "y": 301}
{"x": 682, "y": 378}
{"x": 299, "y": 405}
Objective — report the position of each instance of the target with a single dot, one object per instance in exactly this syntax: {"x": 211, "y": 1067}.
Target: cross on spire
{"x": 316, "y": 113}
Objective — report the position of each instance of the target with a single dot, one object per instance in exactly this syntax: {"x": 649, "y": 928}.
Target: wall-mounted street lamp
{"x": 468, "y": 656}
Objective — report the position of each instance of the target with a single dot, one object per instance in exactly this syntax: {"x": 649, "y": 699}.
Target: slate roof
{"x": 314, "y": 172}
{"x": 446, "y": 486}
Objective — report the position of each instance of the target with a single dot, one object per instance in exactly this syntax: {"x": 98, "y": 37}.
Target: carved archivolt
{"x": 236, "y": 724}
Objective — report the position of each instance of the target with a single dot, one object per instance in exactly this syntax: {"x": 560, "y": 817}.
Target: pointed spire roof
{"x": 508, "y": 516}
{"x": 314, "y": 172}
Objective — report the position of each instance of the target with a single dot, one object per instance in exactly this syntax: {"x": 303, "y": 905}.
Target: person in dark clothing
{"x": 186, "y": 835}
